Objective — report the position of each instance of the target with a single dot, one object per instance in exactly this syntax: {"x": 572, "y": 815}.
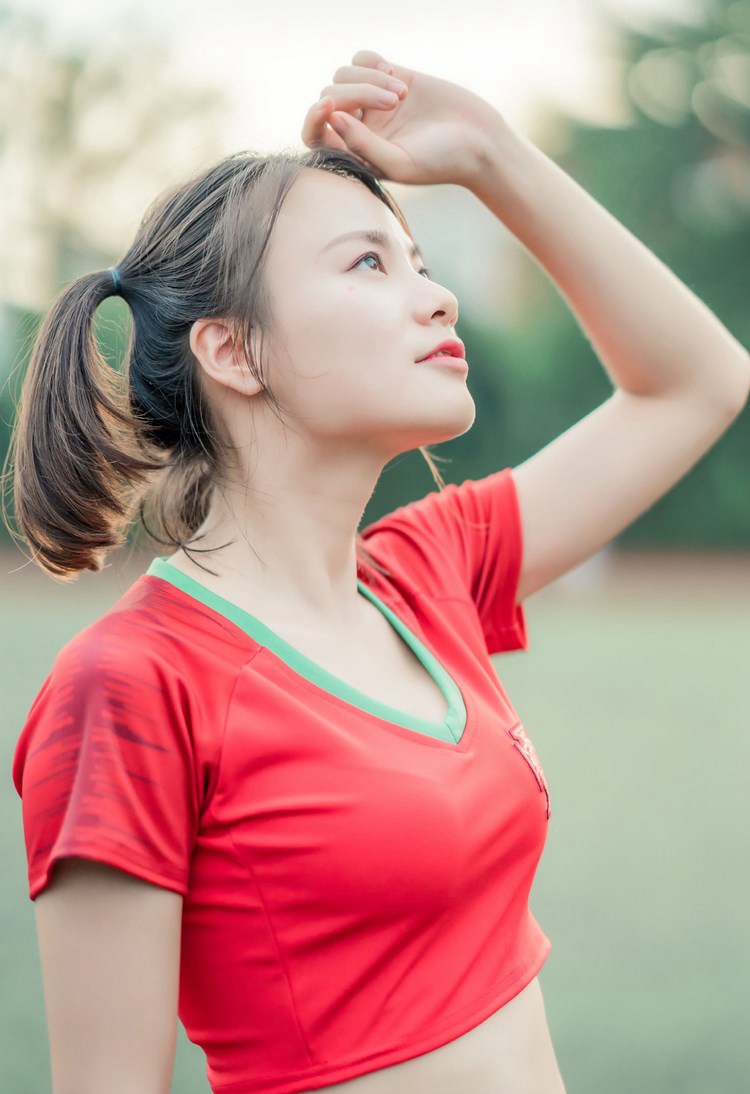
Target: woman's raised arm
{"x": 109, "y": 946}
{"x": 680, "y": 377}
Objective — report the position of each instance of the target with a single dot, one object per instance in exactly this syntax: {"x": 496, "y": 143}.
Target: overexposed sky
{"x": 274, "y": 57}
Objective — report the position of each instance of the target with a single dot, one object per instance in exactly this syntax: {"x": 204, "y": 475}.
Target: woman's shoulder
{"x": 151, "y": 623}
{"x": 136, "y": 671}
{"x": 138, "y": 627}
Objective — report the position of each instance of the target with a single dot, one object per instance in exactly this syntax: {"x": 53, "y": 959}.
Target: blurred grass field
{"x": 635, "y": 693}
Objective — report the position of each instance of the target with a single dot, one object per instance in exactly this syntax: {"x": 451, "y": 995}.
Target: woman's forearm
{"x": 651, "y": 333}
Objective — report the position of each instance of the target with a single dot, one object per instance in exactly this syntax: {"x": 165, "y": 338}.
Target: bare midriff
{"x": 511, "y": 1051}
{"x": 508, "y": 1053}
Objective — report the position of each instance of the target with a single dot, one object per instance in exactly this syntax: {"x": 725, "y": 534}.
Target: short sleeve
{"x": 104, "y": 763}
{"x": 464, "y": 540}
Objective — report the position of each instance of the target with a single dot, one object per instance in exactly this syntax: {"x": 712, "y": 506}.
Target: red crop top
{"x": 355, "y": 879}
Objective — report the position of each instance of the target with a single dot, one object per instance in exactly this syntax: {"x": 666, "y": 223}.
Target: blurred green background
{"x": 634, "y": 692}
{"x": 635, "y": 689}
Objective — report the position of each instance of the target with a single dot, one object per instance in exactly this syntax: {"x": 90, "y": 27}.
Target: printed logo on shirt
{"x": 527, "y": 750}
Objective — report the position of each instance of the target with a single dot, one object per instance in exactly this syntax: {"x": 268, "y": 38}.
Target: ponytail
{"x": 95, "y": 449}
{"x": 76, "y": 457}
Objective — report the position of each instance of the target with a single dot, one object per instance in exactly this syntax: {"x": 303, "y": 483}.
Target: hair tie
{"x": 116, "y": 280}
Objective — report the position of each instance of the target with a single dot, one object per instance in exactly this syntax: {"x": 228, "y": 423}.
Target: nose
{"x": 443, "y": 302}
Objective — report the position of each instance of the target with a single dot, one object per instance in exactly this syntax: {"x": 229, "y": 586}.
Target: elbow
{"x": 746, "y": 384}
{"x": 729, "y": 388}
{"x": 740, "y": 392}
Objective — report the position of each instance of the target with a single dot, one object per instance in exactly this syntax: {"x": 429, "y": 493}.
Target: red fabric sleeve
{"x": 463, "y": 540}
{"x": 104, "y": 763}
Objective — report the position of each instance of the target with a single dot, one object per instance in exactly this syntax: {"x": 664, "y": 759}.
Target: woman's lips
{"x": 457, "y": 363}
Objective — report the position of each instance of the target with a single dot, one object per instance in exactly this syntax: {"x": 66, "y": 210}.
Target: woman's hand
{"x": 433, "y": 132}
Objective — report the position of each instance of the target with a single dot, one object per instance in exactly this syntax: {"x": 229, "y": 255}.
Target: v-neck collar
{"x": 451, "y": 728}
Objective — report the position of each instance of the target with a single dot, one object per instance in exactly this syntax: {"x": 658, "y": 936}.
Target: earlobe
{"x": 215, "y": 346}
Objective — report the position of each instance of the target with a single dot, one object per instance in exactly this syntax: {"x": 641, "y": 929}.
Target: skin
{"x": 679, "y": 377}
{"x": 345, "y": 372}
{"x": 354, "y": 397}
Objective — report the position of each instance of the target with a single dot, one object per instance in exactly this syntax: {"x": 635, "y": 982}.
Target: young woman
{"x": 277, "y": 788}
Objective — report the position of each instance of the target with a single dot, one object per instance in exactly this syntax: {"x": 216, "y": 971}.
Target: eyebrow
{"x": 372, "y": 236}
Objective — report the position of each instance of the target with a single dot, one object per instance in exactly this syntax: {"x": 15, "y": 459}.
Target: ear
{"x": 219, "y": 351}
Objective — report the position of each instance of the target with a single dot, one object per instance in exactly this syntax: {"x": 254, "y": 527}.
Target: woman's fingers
{"x": 352, "y": 98}
{"x": 355, "y": 89}
{"x": 352, "y": 95}
{"x": 369, "y": 58}
{"x": 381, "y": 155}
{"x": 315, "y": 128}
{"x": 350, "y": 74}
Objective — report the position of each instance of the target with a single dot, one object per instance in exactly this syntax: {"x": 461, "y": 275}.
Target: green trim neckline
{"x": 450, "y": 729}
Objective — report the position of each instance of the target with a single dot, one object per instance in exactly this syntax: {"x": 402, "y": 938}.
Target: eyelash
{"x": 374, "y": 254}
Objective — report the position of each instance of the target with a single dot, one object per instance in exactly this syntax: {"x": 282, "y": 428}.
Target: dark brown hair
{"x": 94, "y": 448}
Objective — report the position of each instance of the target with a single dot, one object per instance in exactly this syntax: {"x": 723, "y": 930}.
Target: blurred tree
{"x": 678, "y": 176}
{"x": 90, "y": 131}
{"x": 89, "y": 134}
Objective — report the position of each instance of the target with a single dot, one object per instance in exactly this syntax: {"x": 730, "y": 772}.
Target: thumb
{"x": 360, "y": 140}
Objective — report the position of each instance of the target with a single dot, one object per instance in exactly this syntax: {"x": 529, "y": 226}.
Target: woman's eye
{"x": 424, "y": 272}
{"x": 370, "y": 254}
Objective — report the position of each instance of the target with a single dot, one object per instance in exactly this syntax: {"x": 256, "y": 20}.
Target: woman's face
{"x": 350, "y": 325}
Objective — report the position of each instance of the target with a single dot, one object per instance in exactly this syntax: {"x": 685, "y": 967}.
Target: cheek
{"x": 329, "y": 331}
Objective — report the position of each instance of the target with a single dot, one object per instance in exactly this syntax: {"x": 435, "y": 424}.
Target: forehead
{"x": 321, "y": 206}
